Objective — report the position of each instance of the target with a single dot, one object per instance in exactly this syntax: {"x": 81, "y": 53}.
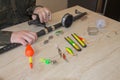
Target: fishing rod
{"x": 66, "y": 22}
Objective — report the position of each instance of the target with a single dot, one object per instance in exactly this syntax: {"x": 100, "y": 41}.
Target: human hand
{"x": 43, "y": 13}
{"x": 23, "y": 37}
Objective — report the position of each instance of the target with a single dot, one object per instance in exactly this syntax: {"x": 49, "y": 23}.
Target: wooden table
{"x": 100, "y": 60}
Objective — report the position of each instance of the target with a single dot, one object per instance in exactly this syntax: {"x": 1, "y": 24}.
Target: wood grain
{"x": 98, "y": 61}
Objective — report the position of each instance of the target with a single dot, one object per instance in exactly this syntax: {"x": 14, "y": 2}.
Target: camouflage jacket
{"x": 13, "y": 12}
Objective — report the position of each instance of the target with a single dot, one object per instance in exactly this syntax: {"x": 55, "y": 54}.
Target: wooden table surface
{"x": 100, "y": 60}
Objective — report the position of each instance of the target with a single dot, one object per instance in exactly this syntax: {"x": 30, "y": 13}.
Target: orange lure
{"x": 29, "y": 52}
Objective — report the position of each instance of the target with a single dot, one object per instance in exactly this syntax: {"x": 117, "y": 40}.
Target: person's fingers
{"x": 29, "y": 37}
{"x": 22, "y": 41}
{"x": 48, "y": 14}
{"x": 23, "y": 37}
{"x": 43, "y": 13}
{"x": 34, "y": 36}
{"x": 19, "y": 40}
{"x": 41, "y": 16}
{"x": 34, "y": 17}
{"x": 39, "y": 12}
{"x": 45, "y": 16}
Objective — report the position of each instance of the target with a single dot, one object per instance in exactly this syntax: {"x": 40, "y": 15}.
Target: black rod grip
{"x": 39, "y": 34}
{"x": 79, "y": 16}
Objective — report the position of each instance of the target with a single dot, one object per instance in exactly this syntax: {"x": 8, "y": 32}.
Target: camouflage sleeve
{"x": 5, "y": 37}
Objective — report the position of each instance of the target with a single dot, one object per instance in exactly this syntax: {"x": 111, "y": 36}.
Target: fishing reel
{"x": 67, "y": 20}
